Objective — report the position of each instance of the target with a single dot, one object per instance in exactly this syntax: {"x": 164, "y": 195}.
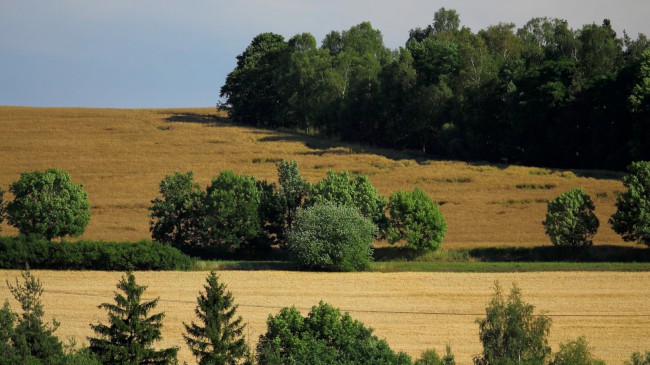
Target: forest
{"x": 544, "y": 94}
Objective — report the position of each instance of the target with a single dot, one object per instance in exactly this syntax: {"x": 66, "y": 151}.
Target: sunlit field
{"x": 120, "y": 156}
{"x": 412, "y": 311}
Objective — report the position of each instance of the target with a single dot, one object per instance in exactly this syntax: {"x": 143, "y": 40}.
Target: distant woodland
{"x": 544, "y": 94}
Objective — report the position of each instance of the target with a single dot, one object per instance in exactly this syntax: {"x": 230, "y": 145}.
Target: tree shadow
{"x": 207, "y": 119}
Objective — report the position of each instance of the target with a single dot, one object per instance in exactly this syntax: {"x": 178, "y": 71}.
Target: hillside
{"x": 120, "y": 156}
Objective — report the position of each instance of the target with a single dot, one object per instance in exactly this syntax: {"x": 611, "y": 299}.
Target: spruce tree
{"x": 130, "y": 333}
{"x": 217, "y": 339}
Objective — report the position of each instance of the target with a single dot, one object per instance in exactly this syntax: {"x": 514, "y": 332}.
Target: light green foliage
{"x": 632, "y": 217}
{"x": 323, "y": 337}
{"x": 431, "y": 357}
{"x": 175, "y": 217}
{"x": 414, "y": 217}
{"x": 131, "y": 331}
{"x": 48, "y": 204}
{"x": 218, "y": 338}
{"x": 575, "y": 352}
{"x": 511, "y": 333}
{"x": 638, "y": 359}
{"x": 231, "y": 216}
{"x": 340, "y": 188}
{"x": 331, "y": 237}
{"x": 570, "y": 219}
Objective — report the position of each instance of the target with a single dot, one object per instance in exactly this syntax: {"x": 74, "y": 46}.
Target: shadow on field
{"x": 208, "y": 119}
{"x": 598, "y": 253}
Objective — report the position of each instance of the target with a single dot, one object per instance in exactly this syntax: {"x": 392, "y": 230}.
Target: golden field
{"x": 429, "y": 310}
{"x": 120, "y": 156}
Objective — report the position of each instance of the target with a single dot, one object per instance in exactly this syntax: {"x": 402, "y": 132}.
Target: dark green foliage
{"x": 511, "y": 333}
{"x": 293, "y": 190}
{"x": 131, "y": 331}
{"x": 415, "y": 218}
{"x": 48, "y": 204}
{"x": 175, "y": 217}
{"x": 638, "y": 359}
{"x": 570, "y": 219}
{"x": 3, "y": 208}
{"x": 341, "y": 189}
{"x": 231, "y": 211}
{"x": 575, "y": 352}
{"x": 25, "y": 338}
{"x": 543, "y": 94}
{"x": 15, "y": 252}
{"x": 324, "y": 336}
{"x": 218, "y": 338}
{"x": 332, "y": 238}
{"x": 632, "y": 217}
{"x": 431, "y": 357}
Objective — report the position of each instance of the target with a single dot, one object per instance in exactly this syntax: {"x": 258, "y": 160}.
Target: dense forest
{"x": 544, "y": 94}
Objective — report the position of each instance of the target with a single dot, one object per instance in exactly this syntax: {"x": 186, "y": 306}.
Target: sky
{"x": 164, "y": 53}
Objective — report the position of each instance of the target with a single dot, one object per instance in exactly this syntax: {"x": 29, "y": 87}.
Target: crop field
{"x": 120, "y": 156}
{"x": 412, "y": 311}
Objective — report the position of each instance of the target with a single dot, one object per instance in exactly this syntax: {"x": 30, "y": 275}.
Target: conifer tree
{"x": 217, "y": 339}
{"x": 130, "y": 333}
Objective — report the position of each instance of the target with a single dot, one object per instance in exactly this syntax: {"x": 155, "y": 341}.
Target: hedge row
{"x": 17, "y": 252}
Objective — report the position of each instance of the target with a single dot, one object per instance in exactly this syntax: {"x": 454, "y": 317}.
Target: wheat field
{"x": 120, "y": 156}
{"x": 412, "y": 311}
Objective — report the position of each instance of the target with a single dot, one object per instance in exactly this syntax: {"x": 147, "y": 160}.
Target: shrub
{"x": 331, "y": 237}
{"x": 131, "y": 331}
{"x": 2, "y": 208}
{"x": 48, "y": 204}
{"x": 510, "y": 333}
{"x": 570, "y": 219}
{"x": 218, "y": 339}
{"x": 431, "y": 357}
{"x": 341, "y": 189}
{"x": 638, "y": 359}
{"x": 15, "y": 252}
{"x": 175, "y": 217}
{"x": 632, "y": 217}
{"x": 323, "y": 337}
{"x": 231, "y": 215}
{"x": 575, "y": 352}
{"x": 414, "y": 217}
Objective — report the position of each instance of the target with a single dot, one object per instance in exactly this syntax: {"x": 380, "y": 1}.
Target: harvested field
{"x": 120, "y": 156}
{"x": 412, "y": 311}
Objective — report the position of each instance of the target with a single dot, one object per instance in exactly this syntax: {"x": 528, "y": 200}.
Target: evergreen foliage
{"x": 218, "y": 338}
{"x": 48, "y": 204}
{"x": 332, "y": 238}
{"x": 415, "y": 218}
{"x": 570, "y": 219}
{"x": 632, "y": 217}
{"x": 511, "y": 334}
{"x": 131, "y": 330}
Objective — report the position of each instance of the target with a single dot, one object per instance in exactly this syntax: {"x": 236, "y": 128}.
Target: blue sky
{"x": 163, "y": 53}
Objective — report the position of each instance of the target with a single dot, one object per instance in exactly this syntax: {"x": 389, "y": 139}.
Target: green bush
{"x": 632, "y": 217}
{"x": 570, "y": 219}
{"x": 15, "y": 252}
{"x": 638, "y": 359}
{"x": 431, "y": 357}
{"x": 2, "y": 208}
{"x": 414, "y": 217}
{"x": 323, "y": 337}
{"x": 575, "y": 352}
{"x": 48, "y": 204}
{"x": 331, "y": 237}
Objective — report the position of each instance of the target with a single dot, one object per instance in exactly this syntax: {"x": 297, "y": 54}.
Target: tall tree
{"x": 218, "y": 338}
{"x": 131, "y": 331}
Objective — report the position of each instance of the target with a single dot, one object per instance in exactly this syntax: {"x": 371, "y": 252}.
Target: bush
{"x": 2, "y": 208}
{"x": 48, "y": 204}
{"x": 638, "y": 359}
{"x": 175, "y": 218}
{"x": 330, "y": 237}
{"x": 414, "y": 217}
{"x": 510, "y": 333}
{"x": 632, "y": 217}
{"x": 341, "y": 189}
{"x": 575, "y": 352}
{"x": 15, "y": 252}
{"x": 431, "y": 357}
{"x": 323, "y": 337}
{"x": 570, "y": 219}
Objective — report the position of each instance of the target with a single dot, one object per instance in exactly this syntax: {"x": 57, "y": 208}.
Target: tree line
{"x": 510, "y": 333}
{"x": 543, "y": 94}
